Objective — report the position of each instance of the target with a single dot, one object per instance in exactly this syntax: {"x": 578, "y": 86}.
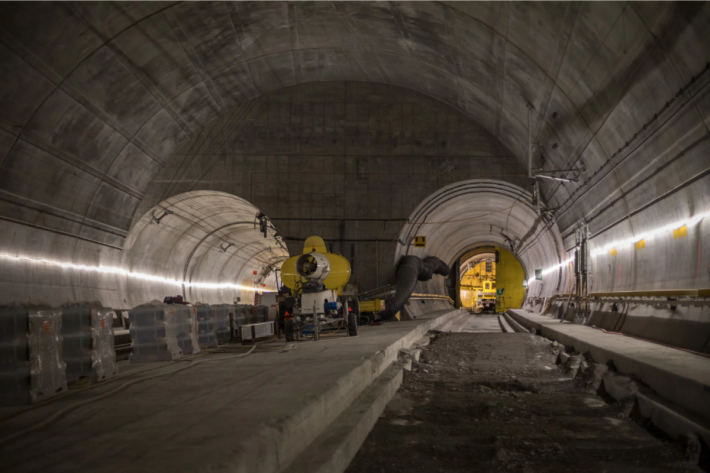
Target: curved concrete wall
{"x": 97, "y": 96}
{"x": 183, "y": 246}
{"x": 474, "y": 213}
{"x": 342, "y": 160}
{"x": 209, "y": 237}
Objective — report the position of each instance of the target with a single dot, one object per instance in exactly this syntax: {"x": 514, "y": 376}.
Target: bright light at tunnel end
{"x": 131, "y": 274}
{"x": 649, "y": 234}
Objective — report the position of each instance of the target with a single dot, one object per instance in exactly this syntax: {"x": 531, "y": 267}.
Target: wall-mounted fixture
{"x": 156, "y": 220}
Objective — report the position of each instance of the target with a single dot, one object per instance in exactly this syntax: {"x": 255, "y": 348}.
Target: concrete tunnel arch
{"x": 101, "y": 95}
{"x": 469, "y": 214}
{"x": 202, "y": 237}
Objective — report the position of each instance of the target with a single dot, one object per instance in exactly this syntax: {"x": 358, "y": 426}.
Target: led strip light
{"x": 650, "y": 234}
{"x": 130, "y": 274}
{"x": 633, "y": 240}
{"x": 206, "y": 285}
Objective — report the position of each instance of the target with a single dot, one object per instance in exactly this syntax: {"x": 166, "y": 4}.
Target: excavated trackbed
{"x": 498, "y": 402}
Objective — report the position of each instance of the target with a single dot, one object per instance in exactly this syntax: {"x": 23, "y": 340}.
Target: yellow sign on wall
{"x": 420, "y": 241}
{"x": 680, "y": 232}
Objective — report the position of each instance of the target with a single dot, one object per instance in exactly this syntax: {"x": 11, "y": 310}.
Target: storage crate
{"x": 31, "y": 366}
{"x": 220, "y": 314}
{"x": 206, "y": 333}
{"x": 87, "y": 346}
{"x": 161, "y": 332}
{"x": 257, "y": 331}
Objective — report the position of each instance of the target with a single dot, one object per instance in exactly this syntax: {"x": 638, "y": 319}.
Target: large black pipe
{"x": 410, "y": 270}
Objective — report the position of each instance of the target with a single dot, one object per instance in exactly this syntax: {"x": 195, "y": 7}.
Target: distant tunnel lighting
{"x": 650, "y": 234}
{"x": 130, "y": 274}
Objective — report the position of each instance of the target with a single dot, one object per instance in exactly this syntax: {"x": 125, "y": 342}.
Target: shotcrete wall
{"x": 342, "y": 160}
{"x": 98, "y": 100}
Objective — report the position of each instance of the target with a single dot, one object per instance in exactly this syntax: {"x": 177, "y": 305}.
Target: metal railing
{"x": 431, "y": 297}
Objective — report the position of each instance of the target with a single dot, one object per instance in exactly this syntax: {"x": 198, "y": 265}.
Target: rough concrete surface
{"x": 498, "y": 402}
{"x": 679, "y": 376}
{"x": 253, "y": 414}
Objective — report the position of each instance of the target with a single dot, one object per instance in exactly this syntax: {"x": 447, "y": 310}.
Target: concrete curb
{"x": 670, "y": 419}
{"x": 514, "y": 324}
{"x": 453, "y": 321}
{"x": 275, "y": 447}
{"x": 335, "y": 448}
{"x": 679, "y": 398}
{"x": 503, "y": 323}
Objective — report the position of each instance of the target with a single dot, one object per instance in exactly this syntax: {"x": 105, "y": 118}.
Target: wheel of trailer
{"x": 289, "y": 330}
{"x": 352, "y": 324}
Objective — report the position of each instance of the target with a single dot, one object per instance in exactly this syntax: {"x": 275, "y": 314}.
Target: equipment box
{"x": 161, "y": 332}
{"x": 31, "y": 366}
{"x": 87, "y": 346}
{"x": 206, "y": 335}
{"x": 257, "y": 331}
{"x": 220, "y": 314}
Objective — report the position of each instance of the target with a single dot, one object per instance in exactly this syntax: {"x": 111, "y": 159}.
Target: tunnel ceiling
{"x": 97, "y": 95}
{"x": 96, "y": 98}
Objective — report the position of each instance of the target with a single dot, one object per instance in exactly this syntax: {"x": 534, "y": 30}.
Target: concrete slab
{"x": 678, "y": 376}
{"x": 250, "y": 414}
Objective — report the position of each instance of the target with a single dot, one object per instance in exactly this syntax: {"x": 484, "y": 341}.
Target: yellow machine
{"x": 316, "y": 279}
{"x": 337, "y": 268}
{"x": 490, "y": 285}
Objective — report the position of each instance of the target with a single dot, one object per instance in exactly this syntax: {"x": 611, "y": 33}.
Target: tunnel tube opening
{"x": 212, "y": 242}
{"x": 471, "y": 217}
{"x": 488, "y": 279}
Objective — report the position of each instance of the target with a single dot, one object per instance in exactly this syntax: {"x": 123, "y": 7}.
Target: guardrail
{"x": 431, "y": 297}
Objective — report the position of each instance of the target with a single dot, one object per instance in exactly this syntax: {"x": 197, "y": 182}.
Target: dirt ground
{"x": 498, "y": 402}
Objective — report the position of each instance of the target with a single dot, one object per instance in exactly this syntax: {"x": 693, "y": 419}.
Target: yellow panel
{"x": 314, "y": 243}
{"x": 641, "y": 244}
{"x": 372, "y": 306}
{"x": 613, "y": 252}
{"x": 509, "y": 273}
{"x": 681, "y": 232}
{"x": 473, "y": 281}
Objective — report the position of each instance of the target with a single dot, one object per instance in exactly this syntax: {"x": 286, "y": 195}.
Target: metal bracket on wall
{"x": 156, "y": 220}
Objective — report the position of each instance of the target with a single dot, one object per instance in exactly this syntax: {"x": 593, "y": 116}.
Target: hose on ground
{"x": 410, "y": 270}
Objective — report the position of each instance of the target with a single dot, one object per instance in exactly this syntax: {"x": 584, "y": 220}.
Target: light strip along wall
{"x": 130, "y": 274}
{"x": 649, "y": 234}
{"x": 633, "y": 240}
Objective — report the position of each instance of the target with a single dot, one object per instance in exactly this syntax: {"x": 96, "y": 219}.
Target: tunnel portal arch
{"x": 481, "y": 213}
{"x": 211, "y": 241}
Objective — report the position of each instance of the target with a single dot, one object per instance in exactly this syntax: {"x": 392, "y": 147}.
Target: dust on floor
{"x": 498, "y": 402}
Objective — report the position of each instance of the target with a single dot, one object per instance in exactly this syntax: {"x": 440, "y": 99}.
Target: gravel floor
{"x": 498, "y": 402}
